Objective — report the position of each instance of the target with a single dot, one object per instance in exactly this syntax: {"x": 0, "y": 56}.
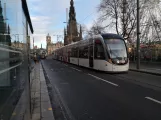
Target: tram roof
{"x": 111, "y": 36}
{"x": 104, "y": 35}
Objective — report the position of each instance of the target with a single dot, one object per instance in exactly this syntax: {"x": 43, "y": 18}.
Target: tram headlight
{"x": 117, "y": 61}
{"x": 110, "y": 61}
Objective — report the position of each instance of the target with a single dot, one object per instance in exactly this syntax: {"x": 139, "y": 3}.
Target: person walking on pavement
{"x": 35, "y": 58}
{"x": 38, "y": 58}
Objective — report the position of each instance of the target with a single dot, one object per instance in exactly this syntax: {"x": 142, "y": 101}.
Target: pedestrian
{"x": 35, "y": 58}
{"x": 39, "y": 58}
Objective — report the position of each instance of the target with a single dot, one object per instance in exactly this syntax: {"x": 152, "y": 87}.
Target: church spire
{"x": 33, "y": 43}
{"x": 8, "y": 36}
{"x": 71, "y": 2}
{"x": 72, "y": 14}
{"x": 72, "y": 30}
{"x": 8, "y": 29}
{"x": 2, "y": 24}
{"x": 80, "y": 34}
{"x": 0, "y": 9}
{"x": 1, "y": 13}
{"x": 68, "y": 31}
{"x": 65, "y": 33}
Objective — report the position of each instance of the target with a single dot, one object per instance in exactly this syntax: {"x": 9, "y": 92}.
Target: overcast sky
{"x": 48, "y": 16}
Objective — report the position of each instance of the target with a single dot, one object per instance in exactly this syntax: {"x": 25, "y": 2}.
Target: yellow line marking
{"x": 13, "y": 114}
{"x": 49, "y": 108}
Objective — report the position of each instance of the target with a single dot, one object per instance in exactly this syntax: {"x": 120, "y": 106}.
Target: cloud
{"x": 48, "y": 16}
{"x": 45, "y": 17}
{"x": 40, "y": 18}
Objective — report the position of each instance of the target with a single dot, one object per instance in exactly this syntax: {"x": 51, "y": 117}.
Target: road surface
{"x": 93, "y": 95}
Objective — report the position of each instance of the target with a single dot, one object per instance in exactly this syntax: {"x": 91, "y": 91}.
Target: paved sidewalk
{"x": 150, "y": 68}
{"x": 41, "y": 106}
{"x": 40, "y": 103}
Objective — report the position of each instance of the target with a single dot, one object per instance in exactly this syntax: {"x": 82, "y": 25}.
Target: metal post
{"x": 138, "y": 35}
{"x": 123, "y": 19}
{"x": 124, "y": 12}
{"x": 18, "y": 41}
{"x": 5, "y": 22}
{"x": 67, "y": 20}
{"x": 66, "y": 15}
{"x": 57, "y": 39}
{"x": 71, "y": 33}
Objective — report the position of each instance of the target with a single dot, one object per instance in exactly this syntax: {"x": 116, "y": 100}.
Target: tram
{"x": 104, "y": 52}
{"x": 43, "y": 54}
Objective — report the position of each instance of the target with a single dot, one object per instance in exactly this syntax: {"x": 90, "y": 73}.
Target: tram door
{"x": 91, "y": 56}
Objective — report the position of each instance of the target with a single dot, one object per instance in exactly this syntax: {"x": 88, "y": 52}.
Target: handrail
{"x": 8, "y": 50}
{"x": 9, "y": 59}
{"x": 8, "y": 46}
{"x": 5, "y": 70}
{"x": 3, "y": 45}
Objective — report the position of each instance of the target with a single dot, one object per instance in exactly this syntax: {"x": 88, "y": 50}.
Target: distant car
{"x": 43, "y": 55}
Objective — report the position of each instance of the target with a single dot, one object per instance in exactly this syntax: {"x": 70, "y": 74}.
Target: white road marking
{"x": 66, "y": 65}
{"x": 154, "y": 100}
{"x": 76, "y": 69}
{"x": 152, "y": 69}
{"x": 64, "y": 83}
{"x": 103, "y": 80}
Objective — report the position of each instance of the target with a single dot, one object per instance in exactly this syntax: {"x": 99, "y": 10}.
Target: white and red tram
{"x": 105, "y": 52}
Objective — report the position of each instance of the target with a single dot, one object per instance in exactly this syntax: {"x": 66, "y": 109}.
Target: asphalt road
{"x": 92, "y": 95}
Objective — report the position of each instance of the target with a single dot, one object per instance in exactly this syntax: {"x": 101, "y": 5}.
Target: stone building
{"x": 17, "y": 44}
{"x": 71, "y": 34}
{"x": 50, "y": 47}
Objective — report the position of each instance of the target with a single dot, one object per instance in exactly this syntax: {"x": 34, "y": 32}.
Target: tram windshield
{"x": 116, "y": 48}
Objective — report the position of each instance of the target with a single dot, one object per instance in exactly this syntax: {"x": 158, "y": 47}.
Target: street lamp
{"x": 138, "y": 35}
{"x": 58, "y": 36}
{"x": 14, "y": 36}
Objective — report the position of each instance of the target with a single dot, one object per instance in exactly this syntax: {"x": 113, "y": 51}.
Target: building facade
{"x": 14, "y": 63}
{"x": 17, "y": 44}
{"x": 50, "y": 47}
{"x": 71, "y": 34}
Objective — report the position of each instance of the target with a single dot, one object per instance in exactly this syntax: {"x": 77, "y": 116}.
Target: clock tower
{"x": 48, "y": 39}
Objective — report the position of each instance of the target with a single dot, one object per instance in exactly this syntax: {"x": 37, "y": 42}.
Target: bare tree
{"x": 122, "y": 14}
{"x": 96, "y": 28}
{"x": 150, "y": 22}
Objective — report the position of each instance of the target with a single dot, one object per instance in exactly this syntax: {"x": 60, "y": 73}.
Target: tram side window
{"x": 80, "y": 52}
{"x": 83, "y": 52}
{"x": 74, "y": 52}
{"x": 99, "y": 51}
